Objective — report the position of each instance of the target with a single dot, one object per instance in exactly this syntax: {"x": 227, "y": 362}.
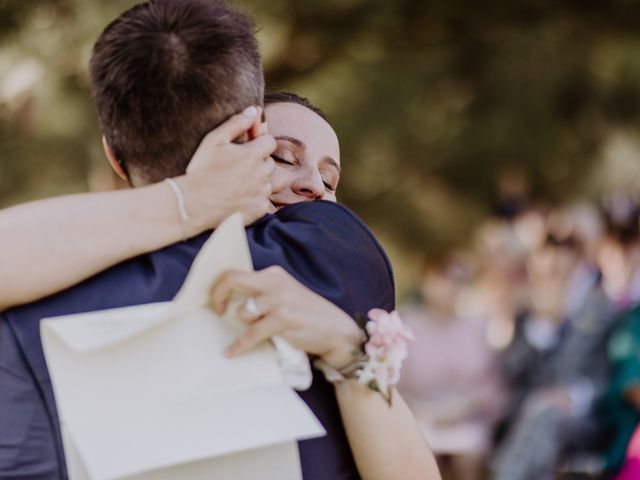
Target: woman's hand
{"x": 385, "y": 440}
{"x": 225, "y": 177}
{"x": 288, "y": 309}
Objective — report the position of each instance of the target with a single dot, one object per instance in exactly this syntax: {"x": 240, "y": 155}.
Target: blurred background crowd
{"x": 527, "y": 355}
{"x": 493, "y": 147}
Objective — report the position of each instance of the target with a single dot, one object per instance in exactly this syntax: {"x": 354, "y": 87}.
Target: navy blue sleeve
{"x": 328, "y": 249}
{"x": 321, "y": 244}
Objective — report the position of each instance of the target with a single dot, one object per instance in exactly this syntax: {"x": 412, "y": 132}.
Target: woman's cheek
{"x": 330, "y": 197}
{"x": 279, "y": 179}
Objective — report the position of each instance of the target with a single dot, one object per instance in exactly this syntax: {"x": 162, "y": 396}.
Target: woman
{"x": 456, "y": 397}
{"x": 307, "y": 168}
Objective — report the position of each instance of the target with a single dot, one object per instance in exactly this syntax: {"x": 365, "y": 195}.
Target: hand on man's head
{"x": 224, "y": 177}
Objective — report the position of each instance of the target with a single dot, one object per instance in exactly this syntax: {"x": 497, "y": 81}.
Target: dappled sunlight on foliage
{"x": 432, "y": 101}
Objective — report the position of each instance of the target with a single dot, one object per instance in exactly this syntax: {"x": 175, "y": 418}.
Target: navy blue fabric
{"x": 321, "y": 244}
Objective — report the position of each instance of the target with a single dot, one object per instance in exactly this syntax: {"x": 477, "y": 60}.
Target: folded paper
{"x": 146, "y": 392}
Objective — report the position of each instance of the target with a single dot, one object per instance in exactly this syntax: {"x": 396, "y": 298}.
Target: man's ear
{"x": 113, "y": 160}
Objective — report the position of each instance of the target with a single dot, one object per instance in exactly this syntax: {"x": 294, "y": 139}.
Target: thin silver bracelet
{"x": 184, "y": 215}
{"x": 335, "y": 375}
{"x": 349, "y": 371}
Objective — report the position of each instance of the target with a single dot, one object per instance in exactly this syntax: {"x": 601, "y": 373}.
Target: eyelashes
{"x": 281, "y": 161}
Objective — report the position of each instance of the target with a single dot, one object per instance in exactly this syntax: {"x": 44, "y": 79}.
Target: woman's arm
{"x": 385, "y": 440}
{"x": 49, "y": 245}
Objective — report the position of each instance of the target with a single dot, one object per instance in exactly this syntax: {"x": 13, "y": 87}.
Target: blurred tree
{"x": 433, "y": 101}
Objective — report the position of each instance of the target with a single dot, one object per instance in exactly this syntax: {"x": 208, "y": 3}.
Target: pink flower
{"x": 385, "y": 350}
{"x": 386, "y": 329}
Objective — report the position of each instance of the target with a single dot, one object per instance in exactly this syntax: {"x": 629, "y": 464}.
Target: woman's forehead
{"x": 298, "y": 122}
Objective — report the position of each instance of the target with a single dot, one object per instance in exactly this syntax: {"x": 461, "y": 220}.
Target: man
{"x": 163, "y": 74}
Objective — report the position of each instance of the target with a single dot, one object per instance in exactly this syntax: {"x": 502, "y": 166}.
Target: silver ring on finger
{"x": 251, "y": 307}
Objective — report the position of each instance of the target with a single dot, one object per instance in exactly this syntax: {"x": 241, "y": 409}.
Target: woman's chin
{"x": 278, "y": 205}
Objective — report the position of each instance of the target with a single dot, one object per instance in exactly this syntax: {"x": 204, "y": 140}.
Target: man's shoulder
{"x": 325, "y": 223}
{"x": 156, "y": 276}
{"x": 329, "y": 214}
{"x": 319, "y": 209}
{"x": 330, "y": 250}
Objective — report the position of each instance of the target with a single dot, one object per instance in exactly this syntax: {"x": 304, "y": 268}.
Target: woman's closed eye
{"x": 330, "y": 178}
{"x": 282, "y": 161}
{"x": 328, "y": 186}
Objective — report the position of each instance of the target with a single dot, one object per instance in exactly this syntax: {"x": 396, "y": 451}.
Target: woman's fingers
{"x": 254, "y": 309}
{"x": 214, "y": 147}
{"x": 264, "y": 128}
{"x": 254, "y": 335}
{"x": 261, "y": 147}
{"x": 279, "y": 305}
{"x": 224, "y": 134}
{"x": 268, "y": 310}
{"x": 235, "y": 126}
{"x": 250, "y": 284}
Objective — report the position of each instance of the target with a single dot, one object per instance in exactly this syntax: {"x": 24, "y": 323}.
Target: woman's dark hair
{"x": 287, "y": 97}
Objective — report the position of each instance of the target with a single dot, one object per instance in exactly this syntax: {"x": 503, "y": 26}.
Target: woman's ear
{"x": 113, "y": 160}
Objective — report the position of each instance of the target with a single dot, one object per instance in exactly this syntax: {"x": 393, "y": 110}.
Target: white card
{"x": 146, "y": 392}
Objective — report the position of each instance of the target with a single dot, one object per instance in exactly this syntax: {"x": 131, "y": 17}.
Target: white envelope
{"x": 145, "y": 392}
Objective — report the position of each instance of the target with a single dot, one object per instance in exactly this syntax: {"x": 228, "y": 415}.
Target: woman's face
{"x": 307, "y": 157}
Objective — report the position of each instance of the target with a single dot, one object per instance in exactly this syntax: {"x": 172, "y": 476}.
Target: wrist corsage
{"x": 378, "y": 359}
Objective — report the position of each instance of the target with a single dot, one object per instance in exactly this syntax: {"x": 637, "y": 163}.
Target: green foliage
{"x": 431, "y": 100}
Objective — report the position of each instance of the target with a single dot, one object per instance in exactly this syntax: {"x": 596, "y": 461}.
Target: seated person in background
{"x": 631, "y": 467}
{"x": 450, "y": 378}
{"x": 621, "y": 404}
{"x": 618, "y": 255}
{"x": 556, "y": 363}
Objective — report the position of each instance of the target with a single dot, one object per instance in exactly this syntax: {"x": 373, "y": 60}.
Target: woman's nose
{"x": 310, "y": 186}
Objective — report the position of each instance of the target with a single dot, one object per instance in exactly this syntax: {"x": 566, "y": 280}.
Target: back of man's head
{"x": 166, "y": 72}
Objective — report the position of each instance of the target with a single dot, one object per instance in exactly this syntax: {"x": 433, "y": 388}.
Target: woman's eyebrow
{"x": 331, "y": 161}
{"x": 295, "y": 141}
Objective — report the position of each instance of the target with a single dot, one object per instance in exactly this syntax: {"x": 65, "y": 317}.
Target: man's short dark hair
{"x": 166, "y": 72}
